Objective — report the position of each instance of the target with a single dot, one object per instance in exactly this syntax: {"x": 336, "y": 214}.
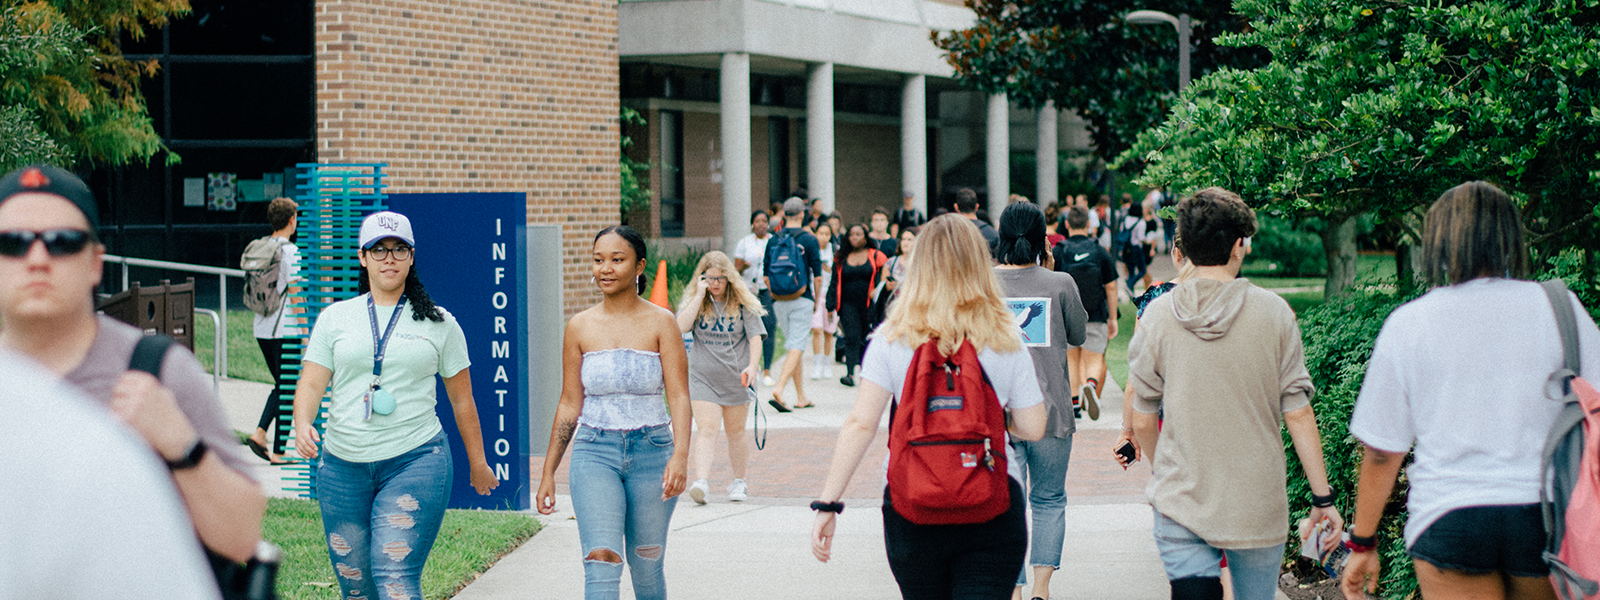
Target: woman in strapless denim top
{"x": 624, "y": 404}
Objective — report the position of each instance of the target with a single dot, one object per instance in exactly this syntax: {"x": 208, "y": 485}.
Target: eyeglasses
{"x": 57, "y": 242}
{"x": 710, "y": 279}
{"x": 381, "y": 253}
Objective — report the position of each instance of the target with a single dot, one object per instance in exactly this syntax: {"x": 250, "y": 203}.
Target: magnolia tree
{"x": 1378, "y": 107}
{"x": 66, "y": 94}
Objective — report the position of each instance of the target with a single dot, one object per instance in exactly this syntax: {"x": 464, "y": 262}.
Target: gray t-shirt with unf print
{"x": 721, "y": 351}
{"x": 1050, "y": 314}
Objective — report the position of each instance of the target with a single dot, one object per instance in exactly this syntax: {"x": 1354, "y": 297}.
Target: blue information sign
{"x": 471, "y": 254}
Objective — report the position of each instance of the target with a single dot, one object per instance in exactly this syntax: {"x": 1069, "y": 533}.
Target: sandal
{"x": 779, "y": 405}
{"x": 258, "y": 449}
{"x": 806, "y": 405}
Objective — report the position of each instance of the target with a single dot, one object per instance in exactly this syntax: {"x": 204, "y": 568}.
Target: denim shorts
{"x": 1486, "y": 539}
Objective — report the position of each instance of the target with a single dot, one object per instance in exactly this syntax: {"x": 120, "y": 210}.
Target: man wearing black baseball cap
{"x": 50, "y": 265}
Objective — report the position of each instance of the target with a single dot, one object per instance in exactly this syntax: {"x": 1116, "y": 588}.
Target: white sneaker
{"x": 1090, "y": 404}
{"x": 766, "y": 380}
{"x": 737, "y": 492}
{"x": 698, "y": 490}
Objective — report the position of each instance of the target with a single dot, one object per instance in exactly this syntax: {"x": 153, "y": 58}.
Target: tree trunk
{"x": 1339, "y": 243}
{"x": 1408, "y": 266}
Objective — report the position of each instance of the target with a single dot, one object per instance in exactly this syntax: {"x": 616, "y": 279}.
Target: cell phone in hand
{"x": 1126, "y": 452}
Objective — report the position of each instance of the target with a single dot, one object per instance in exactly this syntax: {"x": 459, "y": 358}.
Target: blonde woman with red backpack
{"x": 950, "y": 296}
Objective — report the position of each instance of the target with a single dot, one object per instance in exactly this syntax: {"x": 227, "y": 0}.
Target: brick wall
{"x": 480, "y": 96}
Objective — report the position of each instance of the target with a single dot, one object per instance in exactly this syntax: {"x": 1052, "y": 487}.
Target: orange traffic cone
{"x": 658, "y": 293}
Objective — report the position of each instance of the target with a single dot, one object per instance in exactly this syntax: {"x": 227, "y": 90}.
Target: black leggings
{"x": 276, "y": 409}
{"x": 853, "y": 324}
{"x": 957, "y": 562}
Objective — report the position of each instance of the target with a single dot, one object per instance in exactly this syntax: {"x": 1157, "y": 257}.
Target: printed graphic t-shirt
{"x": 418, "y": 350}
{"x": 1051, "y": 316}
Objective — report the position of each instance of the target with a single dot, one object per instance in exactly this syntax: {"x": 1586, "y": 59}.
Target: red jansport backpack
{"x": 947, "y": 441}
{"x": 1571, "y": 469}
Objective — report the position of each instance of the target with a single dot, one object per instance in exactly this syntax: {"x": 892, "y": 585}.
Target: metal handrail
{"x": 217, "y": 349}
{"x": 219, "y": 361}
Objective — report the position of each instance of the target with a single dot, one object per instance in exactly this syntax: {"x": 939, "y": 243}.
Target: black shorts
{"x": 1486, "y": 539}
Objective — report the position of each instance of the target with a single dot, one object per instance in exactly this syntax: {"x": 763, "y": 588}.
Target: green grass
{"x": 469, "y": 542}
{"x": 244, "y": 356}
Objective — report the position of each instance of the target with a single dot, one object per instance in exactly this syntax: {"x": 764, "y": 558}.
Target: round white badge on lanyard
{"x": 379, "y": 400}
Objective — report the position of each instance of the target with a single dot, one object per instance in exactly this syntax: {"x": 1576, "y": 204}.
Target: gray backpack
{"x": 263, "y": 269}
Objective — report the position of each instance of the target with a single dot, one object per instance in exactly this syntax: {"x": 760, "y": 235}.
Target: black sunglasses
{"x": 58, "y": 242}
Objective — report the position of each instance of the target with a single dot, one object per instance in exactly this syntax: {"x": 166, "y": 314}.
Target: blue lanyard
{"x": 378, "y": 345}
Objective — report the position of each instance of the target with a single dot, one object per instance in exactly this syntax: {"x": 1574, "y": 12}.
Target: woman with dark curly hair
{"x": 384, "y": 473}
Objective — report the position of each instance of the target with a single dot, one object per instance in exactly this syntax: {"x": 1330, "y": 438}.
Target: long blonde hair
{"x": 738, "y": 292}
{"x": 950, "y": 292}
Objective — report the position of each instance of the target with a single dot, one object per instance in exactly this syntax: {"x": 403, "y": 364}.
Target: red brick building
{"x": 455, "y": 96}
{"x": 481, "y": 96}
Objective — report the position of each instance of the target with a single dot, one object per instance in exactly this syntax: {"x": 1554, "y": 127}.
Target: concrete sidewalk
{"x": 761, "y": 548}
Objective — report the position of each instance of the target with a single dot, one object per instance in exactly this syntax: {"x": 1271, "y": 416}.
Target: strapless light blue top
{"x": 623, "y": 389}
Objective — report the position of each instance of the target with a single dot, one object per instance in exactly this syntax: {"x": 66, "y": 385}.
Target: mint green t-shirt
{"x": 418, "y": 350}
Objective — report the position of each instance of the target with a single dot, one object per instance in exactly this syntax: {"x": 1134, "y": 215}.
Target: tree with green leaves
{"x": 1378, "y": 107}
{"x": 635, "y": 182}
{"x": 1081, "y": 54}
{"x": 66, "y": 94}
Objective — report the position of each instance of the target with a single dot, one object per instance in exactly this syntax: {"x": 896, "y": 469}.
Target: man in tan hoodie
{"x": 1221, "y": 359}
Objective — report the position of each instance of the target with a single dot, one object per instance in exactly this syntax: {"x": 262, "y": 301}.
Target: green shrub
{"x": 1569, "y": 266}
{"x": 1284, "y": 247}
{"x": 680, "y": 267}
{"x": 1338, "y": 338}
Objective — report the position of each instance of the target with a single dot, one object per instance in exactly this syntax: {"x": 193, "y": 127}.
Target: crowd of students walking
{"x": 1216, "y": 372}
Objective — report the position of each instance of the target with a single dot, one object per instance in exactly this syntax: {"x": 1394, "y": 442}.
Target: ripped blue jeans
{"x": 616, "y": 492}
{"x": 381, "y": 519}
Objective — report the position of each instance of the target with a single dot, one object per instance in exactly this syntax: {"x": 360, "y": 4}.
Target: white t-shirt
{"x": 418, "y": 350}
{"x": 753, "y": 251}
{"x": 89, "y": 512}
{"x": 1011, "y": 374}
{"x": 1461, "y": 372}
{"x": 280, "y": 323}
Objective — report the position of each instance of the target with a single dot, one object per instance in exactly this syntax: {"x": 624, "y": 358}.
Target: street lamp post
{"x": 1181, "y": 23}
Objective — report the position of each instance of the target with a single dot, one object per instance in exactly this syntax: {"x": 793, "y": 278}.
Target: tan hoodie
{"x": 1223, "y": 361}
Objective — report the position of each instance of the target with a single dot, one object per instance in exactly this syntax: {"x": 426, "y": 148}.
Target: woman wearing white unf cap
{"x": 384, "y": 476}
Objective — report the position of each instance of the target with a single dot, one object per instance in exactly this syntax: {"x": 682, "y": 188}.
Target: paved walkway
{"x": 761, "y": 548}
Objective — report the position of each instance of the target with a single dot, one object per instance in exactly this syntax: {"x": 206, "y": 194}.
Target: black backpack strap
{"x": 149, "y": 353}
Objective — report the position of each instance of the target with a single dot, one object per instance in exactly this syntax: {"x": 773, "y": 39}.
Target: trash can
{"x": 165, "y": 308}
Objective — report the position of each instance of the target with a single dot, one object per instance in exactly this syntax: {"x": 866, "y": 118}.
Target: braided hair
{"x": 422, "y": 306}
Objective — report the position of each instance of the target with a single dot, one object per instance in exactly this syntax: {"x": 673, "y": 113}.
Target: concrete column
{"x": 1045, "y": 155}
{"x": 819, "y": 133}
{"x": 735, "y": 123}
{"x": 998, "y": 155}
{"x": 914, "y": 139}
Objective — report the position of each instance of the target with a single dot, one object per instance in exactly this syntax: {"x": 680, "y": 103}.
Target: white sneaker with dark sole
{"x": 1090, "y": 403}
{"x": 698, "y": 491}
{"x": 737, "y": 492}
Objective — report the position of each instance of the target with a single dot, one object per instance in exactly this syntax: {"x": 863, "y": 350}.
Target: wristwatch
{"x": 192, "y": 458}
{"x": 833, "y": 507}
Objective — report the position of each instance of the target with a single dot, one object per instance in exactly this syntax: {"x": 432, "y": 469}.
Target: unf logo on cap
{"x": 33, "y": 178}
{"x": 389, "y": 223}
